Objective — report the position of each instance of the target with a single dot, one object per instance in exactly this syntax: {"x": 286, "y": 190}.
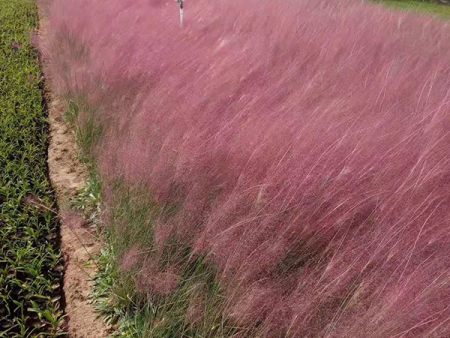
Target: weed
{"x": 88, "y": 200}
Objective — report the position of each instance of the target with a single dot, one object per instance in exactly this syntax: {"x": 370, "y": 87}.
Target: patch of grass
{"x": 136, "y": 315}
{"x": 428, "y": 7}
{"x": 30, "y": 261}
{"x": 86, "y": 129}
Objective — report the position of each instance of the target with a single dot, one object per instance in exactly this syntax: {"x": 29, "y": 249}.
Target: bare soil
{"x": 78, "y": 242}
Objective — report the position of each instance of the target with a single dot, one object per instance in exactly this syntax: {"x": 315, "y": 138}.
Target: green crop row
{"x": 30, "y": 260}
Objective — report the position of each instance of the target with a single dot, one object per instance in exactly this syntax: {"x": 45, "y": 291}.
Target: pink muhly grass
{"x": 308, "y": 163}
{"x": 152, "y": 280}
{"x": 196, "y": 309}
{"x": 130, "y": 259}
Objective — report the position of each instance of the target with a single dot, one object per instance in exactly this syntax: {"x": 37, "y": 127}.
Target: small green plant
{"x": 51, "y": 314}
{"x": 88, "y": 200}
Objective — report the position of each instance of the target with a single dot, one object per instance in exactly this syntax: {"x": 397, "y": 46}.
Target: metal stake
{"x": 181, "y": 3}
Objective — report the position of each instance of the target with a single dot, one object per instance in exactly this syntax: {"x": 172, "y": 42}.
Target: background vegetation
{"x": 429, "y": 7}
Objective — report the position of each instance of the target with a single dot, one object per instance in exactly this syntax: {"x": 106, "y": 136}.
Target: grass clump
{"x": 30, "y": 260}
{"x": 87, "y": 130}
{"x": 184, "y": 299}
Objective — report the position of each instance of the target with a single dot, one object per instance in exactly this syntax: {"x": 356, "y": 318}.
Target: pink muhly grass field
{"x": 305, "y": 145}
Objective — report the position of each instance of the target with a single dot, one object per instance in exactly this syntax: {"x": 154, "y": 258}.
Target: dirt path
{"x": 77, "y": 239}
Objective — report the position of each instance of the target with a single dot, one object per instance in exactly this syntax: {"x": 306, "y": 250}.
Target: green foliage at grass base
{"x": 140, "y": 314}
{"x": 30, "y": 261}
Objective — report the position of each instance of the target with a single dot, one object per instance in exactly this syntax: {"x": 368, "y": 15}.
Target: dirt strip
{"x": 78, "y": 242}
{"x": 77, "y": 239}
